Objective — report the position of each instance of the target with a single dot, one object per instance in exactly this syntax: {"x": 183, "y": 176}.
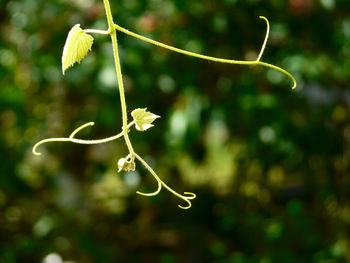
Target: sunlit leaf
{"x": 143, "y": 119}
{"x": 78, "y": 44}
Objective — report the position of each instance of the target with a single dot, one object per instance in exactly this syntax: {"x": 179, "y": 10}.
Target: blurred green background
{"x": 270, "y": 166}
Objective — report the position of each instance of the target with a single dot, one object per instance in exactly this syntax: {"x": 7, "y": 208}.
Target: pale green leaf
{"x": 143, "y": 119}
{"x": 78, "y": 44}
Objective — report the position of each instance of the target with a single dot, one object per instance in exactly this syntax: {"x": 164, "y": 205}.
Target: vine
{"x": 79, "y": 43}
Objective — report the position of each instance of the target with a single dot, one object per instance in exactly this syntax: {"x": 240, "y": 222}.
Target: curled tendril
{"x": 153, "y": 193}
{"x": 187, "y": 198}
{"x": 79, "y": 141}
{"x": 221, "y": 60}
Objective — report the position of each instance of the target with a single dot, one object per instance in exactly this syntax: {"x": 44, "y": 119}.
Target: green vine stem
{"x": 142, "y": 118}
{"x": 221, "y": 60}
{"x": 80, "y": 141}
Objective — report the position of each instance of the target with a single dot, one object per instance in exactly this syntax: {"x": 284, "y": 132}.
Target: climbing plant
{"x": 79, "y": 43}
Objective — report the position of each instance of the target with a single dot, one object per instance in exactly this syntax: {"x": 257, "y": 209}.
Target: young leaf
{"x": 143, "y": 119}
{"x": 78, "y": 44}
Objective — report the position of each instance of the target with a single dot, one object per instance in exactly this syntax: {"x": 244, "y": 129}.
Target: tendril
{"x": 153, "y": 193}
{"x": 187, "y": 198}
{"x": 78, "y": 141}
{"x": 266, "y": 37}
{"x": 215, "y": 59}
